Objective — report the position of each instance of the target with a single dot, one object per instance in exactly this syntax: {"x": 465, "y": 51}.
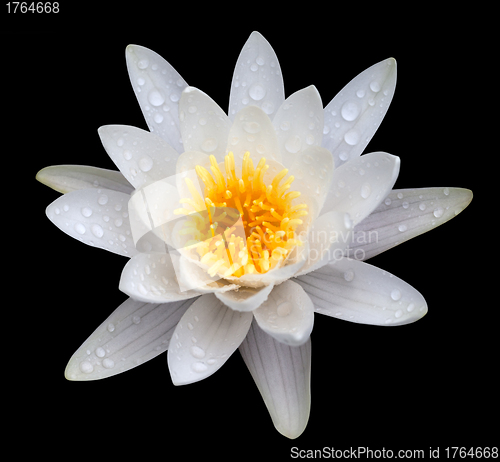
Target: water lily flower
{"x": 310, "y": 209}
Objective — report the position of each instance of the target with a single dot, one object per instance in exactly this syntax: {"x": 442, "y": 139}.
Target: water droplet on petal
{"x": 257, "y": 92}
{"x": 97, "y": 230}
{"x": 293, "y": 144}
{"x": 349, "y": 275}
{"x": 438, "y": 212}
{"x": 351, "y": 137}
{"x": 108, "y": 363}
{"x": 350, "y": 110}
{"x": 146, "y": 164}
{"x": 375, "y": 86}
{"x": 86, "y": 367}
{"x": 366, "y": 190}
{"x": 86, "y": 212}
{"x": 155, "y": 98}
{"x": 209, "y": 145}
{"x": 199, "y": 367}
{"x": 197, "y": 352}
{"x": 396, "y": 294}
{"x": 402, "y": 228}
{"x": 80, "y": 228}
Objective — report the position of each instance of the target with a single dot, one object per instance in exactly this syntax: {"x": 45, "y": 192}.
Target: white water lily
{"x": 311, "y": 204}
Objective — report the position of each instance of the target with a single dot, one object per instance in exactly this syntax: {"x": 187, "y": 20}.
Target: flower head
{"x": 241, "y": 226}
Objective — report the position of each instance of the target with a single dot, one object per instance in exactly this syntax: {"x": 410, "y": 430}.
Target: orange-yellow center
{"x": 268, "y": 218}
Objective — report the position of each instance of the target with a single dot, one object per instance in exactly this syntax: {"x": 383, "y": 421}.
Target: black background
{"x": 424, "y": 385}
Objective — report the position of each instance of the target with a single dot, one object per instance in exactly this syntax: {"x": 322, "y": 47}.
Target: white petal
{"x": 67, "y": 178}
{"x": 353, "y": 116}
{"x": 152, "y": 278}
{"x": 358, "y": 292}
{"x": 282, "y": 374}
{"x": 204, "y": 339}
{"x": 360, "y": 185}
{"x": 204, "y": 125}
{"x": 328, "y": 239}
{"x": 158, "y": 87}
{"x": 245, "y": 298}
{"x": 257, "y": 78}
{"x": 299, "y": 123}
{"x": 134, "y": 333}
{"x": 141, "y": 156}
{"x": 313, "y": 172}
{"x": 253, "y": 131}
{"x": 287, "y": 315}
{"x": 404, "y": 214}
{"x": 96, "y": 217}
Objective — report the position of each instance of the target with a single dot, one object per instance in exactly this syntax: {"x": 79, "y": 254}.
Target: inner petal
{"x": 244, "y": 223}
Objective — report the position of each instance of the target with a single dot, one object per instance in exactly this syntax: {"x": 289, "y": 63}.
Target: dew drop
{"x": 97, "y": 230}
{"x": 86, "y": 367}
{"x": 155, "y": 98}
{"x": 422, "y": 207}
{"x": 402, "y": 228}
{"x": 143, "y": 64}
{"x": 146, "y": 164}
{"x": 158, "y": 118}
{"x": 209, "y": 145}
{"x": 351, "y": 137}
{"x": 398, "y": 313}
{"x": 197, "y": 352}
{"x": 111, "y": 327}
{"x": 80, "y": 228}
{"x": 366, "y": 191}
{"x": 86, "y": 212}
{"x": 350, "y": 110}
{"x": 375, "y": 86}
{"x": 103, "y": 199}
{"x": 396, "y": 294}
{"x": 100, "y": 352}
{"x": 438, "y": 212}
{"x": 136, "y": 319}
{"x": 349, "y": 275}
{"x": 257, "y": 92}
{"x": 108, "y": 363}
{"x": 199, "y": 367}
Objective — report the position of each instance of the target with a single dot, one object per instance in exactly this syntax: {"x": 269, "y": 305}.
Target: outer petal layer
{"x": 359, "y": 186}
{"x": 152, "y": 279}
{"x": 299, "y": 123}
{"x": 353, "y": 116}
{"x": 287, "y": 315}
{"x": 282, "y": 374}
{"x": 134, "y": 333}
{"x": 141, "y": 156}
{"x": 67, "y": 178}
{"x": 204, "y": 125}
{"x": 205, "y": 338}
{"x": 257, "y": 78}
{"x": 158, "y": 87}
{"x": 404, "y": 214}
{"x": 96, "y": 217}
{"x": 358, "y": 292}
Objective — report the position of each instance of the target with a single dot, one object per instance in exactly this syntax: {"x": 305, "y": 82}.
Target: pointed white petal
{"x": 257, "y": 78}
{"x": 245, "y": 298}
{"x": 282, "y": 374}
{"x": 141, "y": 156}
{"x": 313, "y": 172}
{"x": 360, "y": 185}
{"x": 253, "y": 131}
{"x": 158, "y": 87}
{"x": 134, "y": 333}
{"x": 204, "y": 339}
{"x": 152, "y": 278}
{"x": 67, "y": 178}
{"x": 287, "y": 315}
{"x": 353, "y": 116}
{"x": 96, "y": 217}
{"x": 358, "y": 292}
{"x": 404, "y": 214}
{"x": 328, "y": 238}
{"x": 204, "y": 125}
{"x": 299, "y": 123}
